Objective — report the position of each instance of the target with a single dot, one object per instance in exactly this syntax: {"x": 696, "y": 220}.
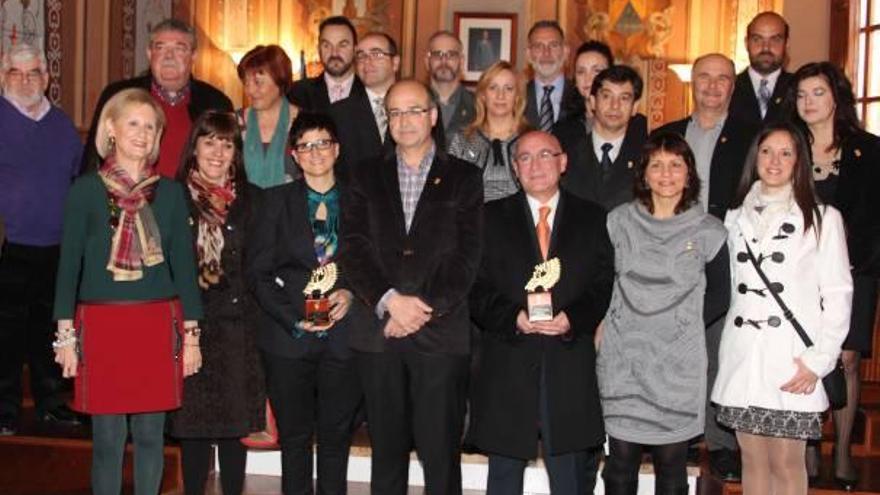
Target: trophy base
{"x": 318, "y": 311}
{"x": 540, "y": 306}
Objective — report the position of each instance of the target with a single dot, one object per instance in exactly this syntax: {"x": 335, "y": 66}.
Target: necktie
{"x": 605, "y": 162}
{"x": 764, "y": 96}
{"x": 337, "y": 92}
{"x": 545, "y": 119}
{"x": 543, "y": 230}
{"x": 381, "y": 118}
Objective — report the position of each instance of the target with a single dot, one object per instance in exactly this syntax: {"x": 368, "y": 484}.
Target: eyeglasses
{"x": 543, "y": 156}
{"x": 412, "y": 112}
{"x": 448, "y": 55}
{"x": 29, "y": 76}
{"x": 375, "y": 55}
{"x": 541, "y": 47}
{"x": 177, "y": 50}
{"x": 320, "y": 145}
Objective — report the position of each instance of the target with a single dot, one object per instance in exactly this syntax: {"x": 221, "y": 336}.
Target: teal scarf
{"x": 265, "y": 168}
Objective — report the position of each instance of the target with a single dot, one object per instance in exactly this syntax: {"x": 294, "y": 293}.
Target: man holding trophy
{"x": 543, "y": 286}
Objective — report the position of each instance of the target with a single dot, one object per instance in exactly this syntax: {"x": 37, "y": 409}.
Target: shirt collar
{"x": 347, "y": 83}
{"x": 558, "y": 84}
{"x": 372, "y": 95}
{"x": 771, "y": 78}
{"x": 424, "y": 164}
{"x": 534, "y": 205}
{"x": 41, "y": 112}
{"x": 616, "y": 144}
{"x": 166, "y": 96}
{"x": 719, "y": 124}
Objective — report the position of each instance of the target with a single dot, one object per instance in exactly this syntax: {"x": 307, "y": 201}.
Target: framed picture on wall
{"x": 486, "y": 38}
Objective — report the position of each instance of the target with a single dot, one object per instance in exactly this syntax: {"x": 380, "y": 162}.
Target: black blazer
{"x": 572, "y": 103}
{"x": 436, "y": 260}
{"x": 584, "y": 176}
{"x": 203, "y": 97}
{"x": 744, "y": 103}
{"x": 357, "y": 132}
{"x": 311, "y": 94}
{"x": 505, "y": 394}
{"x": 728, "y": 159}
{"x": 280, "y": 261}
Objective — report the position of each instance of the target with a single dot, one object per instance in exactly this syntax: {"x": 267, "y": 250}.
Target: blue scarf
{"x": 325, "y": 231}
{"x": 265, "y": 168}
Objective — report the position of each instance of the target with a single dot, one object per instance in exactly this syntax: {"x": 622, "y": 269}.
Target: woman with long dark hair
{"x": 844, "y": 160}
{"x": 768, "y": 388}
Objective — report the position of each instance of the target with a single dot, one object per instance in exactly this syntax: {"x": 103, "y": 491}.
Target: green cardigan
{"x": 85, "y": 249}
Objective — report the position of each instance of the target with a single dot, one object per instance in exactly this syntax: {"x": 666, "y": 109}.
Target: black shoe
{"x": 725, "y": 464}
{"x": 846, "y": 484}
{"x": 61, "y": 415}
{"x": 7, "y": 428}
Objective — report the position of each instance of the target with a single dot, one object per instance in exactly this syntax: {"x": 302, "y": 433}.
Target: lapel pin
{"x": 436, "y": 181}
{"x": 689, "y": 246}
{"x": 629, "y": 164}
{"x": 191, "y": 221}
{"x": 777, "y": 100}
{"x": 858, "y": 153}
{"x": 723, "y": 139}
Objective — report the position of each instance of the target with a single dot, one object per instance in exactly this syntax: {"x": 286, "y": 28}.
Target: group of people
{"x": 524, "y": 255}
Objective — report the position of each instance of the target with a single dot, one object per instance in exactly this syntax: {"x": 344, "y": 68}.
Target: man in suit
{"x": 760, "y": 89}
{"x": 601, "y": 161}
{"x": 183, "y": 98}
{"x": 444, "y": 61}
{"x": 720, "y": 141}
{"x": 412, "y": 225}
{"x": 537, "y": 378}
{"x": 550, "y": 97}
{"x": 361, "y": 119}
{"x": 337, "y": 39}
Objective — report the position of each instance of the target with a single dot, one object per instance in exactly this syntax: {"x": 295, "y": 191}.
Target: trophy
{"x": 539, "y": 301}
{"x": 317, "y": 304}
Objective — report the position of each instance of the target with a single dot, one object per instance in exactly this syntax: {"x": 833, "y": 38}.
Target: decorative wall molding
{"x": 53, "y": 49}
{"x": 129, "y": 8}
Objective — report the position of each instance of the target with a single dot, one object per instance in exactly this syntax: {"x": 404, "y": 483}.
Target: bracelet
{"x": 191, "y": 345}
{"x": 65, "y": 342}
{"x": 192, "y": 331}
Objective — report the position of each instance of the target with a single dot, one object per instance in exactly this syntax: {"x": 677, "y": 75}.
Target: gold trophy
{"x": 538, "y": 299}
{"x": 320, "y": 283}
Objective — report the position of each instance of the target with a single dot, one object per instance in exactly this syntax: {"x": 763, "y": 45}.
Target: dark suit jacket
{"x": 572, "y": 103}
{"x": 436, "y": 260}
{"x": 506, "y": 393}
{"x": 282, "y": 249}
{"x": 463, "y": 113}
{"x": 744, "y": 103}
{"x": 203, "y": 97}
{"x": 357, "y": 132}
{"x": 585, "y": 177}
{"x": 310, "y": 94}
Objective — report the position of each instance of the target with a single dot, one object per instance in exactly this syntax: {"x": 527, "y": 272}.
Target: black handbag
{"x": 835, "y": 381}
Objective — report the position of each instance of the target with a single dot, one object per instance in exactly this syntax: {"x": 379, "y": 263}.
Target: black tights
{"x": 197, "y": 461}
{"x": 621, "y": 473}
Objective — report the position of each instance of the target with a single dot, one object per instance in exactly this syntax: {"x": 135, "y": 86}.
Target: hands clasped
{"x": 559, "y": 325}
{"x": 408, "y": 315}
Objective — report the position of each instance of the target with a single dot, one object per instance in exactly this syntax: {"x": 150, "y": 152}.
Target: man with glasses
{"x": 360, "y": 119}
{"x": 41, "y": 151}
{"x": 414, "y": 267}
{"x": 550, "y": 96}
{"x": 537, "y": 376}
{"x": 760, "y": 89}
{"x": 444, "y": 61}
{"x": 183, "y": 98}
{"x": 337, "y": 38}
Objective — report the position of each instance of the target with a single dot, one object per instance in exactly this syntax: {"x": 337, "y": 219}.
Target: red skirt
{"x": 130, "y": 357}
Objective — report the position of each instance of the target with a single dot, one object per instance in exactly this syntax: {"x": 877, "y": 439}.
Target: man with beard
{"x": 549, "y": 96}
{"x": 444, "y": 61}
{"x": 41, "y": 155}
{"x": 337, "y": 38}
{"x": 760, "y": 89}
{"x": 183, "y": 98}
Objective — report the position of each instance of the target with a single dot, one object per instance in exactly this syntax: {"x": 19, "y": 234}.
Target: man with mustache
{"x": 759, "y": 90}
{"x": 444, "y": 61}
{"x": 40, "y": 157}
{"x": 183, "y": 98}
{"x": 550, "y": 96}
{"x": 337, "y": 39}
{"x": 720, "y": 141}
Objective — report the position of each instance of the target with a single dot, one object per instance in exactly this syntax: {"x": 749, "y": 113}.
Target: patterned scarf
{"x": 136, "y": 241}
{"x": 212, "y": 202}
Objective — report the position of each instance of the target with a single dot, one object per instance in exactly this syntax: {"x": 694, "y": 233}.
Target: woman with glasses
{"x": 266, "y": 74}
{"x": 310, "y": 373}
{"x": 500, "y": 119}
{"x": 768, "y": 388}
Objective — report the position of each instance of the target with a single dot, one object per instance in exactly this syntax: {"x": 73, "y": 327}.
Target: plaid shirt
{"x": 412, "y": 183}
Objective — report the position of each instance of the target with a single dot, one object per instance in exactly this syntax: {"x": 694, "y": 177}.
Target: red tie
{"x": 543, "y": 230}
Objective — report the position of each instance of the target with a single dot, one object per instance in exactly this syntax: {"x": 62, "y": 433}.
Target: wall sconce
{"x": 236, "y": 54}
{"x": 682, "y": 71}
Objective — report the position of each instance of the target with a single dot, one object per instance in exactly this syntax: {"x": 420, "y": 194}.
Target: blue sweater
{"x": 38, "y": 161}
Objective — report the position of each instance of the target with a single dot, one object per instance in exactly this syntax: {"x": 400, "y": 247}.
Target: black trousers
{"x": 414, "y": 399}
{"x": 196, "y": 461}
{"x": 27, "y": 294}
{"x": 316, "y": 393}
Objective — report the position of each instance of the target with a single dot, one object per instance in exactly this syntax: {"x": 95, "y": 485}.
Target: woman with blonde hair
{"x": 488, "y": 142}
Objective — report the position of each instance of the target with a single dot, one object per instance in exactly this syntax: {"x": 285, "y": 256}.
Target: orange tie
{"x": 543, "y": 230}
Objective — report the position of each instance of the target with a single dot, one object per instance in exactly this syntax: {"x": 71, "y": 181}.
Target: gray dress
{"x": 652, "y": 360}
{"x": 493, "y": 157}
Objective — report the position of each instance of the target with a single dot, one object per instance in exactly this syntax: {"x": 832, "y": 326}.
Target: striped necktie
{"x": 545, "y": 119}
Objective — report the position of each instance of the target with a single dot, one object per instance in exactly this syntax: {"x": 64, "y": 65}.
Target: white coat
{"x": 756, "y": 359}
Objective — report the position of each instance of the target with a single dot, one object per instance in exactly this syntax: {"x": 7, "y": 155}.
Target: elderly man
{"x": 337, "y": 38}
{"x": 183, "y": 98}
{"x": 444, "y": 61}
{"x": 537, "y": 377}
{"x": 414, "y": 267}
{"x": 760, "y": 89}
{"x": 550, "y": 96}
{"x": 40, "y": 156}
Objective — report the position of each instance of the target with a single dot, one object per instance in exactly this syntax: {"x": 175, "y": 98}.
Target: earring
{"x": 111, "y": 142}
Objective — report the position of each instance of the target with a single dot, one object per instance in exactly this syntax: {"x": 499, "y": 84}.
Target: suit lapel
{"x": 531, "y": 105}
{"x": 369, "y": 129}
{"x": 554, "y": 231}
{"x": 388, "y": 172}
{"x": 527, "y": 224}
{"x": 433, "y": 183}
{"x": 299, "y": 204}
{"x": 323, "y": 96}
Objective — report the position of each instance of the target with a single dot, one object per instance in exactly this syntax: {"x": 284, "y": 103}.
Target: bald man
{"x": 414, "y": 267}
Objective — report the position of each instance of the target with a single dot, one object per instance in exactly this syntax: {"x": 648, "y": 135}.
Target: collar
{"x": 534, "y": 204}
{"x": 616, "y": 144}
{"x": 346, "y": 83}
{"x": 453, "y": 97}
{"x": 166, "y": 97}
{"x": 558, "y": 84}
{"x": 372, "y": 95}
{"x": 424, "y": 163}
{"x": 771, "y": 78}
{"x": 42, "y": 110}
{"x": 719, "y": 124}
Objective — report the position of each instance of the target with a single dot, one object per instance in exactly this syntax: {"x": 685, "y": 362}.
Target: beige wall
{"x": 810, "y": 34}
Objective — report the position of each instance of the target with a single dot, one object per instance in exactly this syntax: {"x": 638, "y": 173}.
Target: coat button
{"x": 234, "y": 300}
{"x": 408, "y": 252}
